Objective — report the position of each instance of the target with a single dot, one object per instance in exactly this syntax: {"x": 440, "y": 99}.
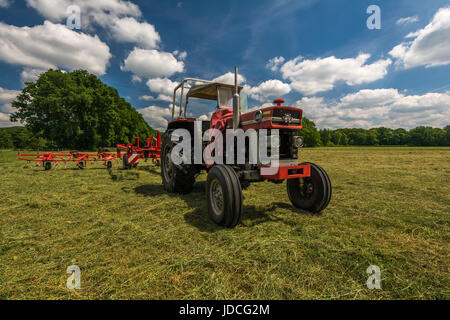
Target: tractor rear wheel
{"x": 312, "y": 193}
{"x": 175, "y": 178}
{"x": 224, "y": 196}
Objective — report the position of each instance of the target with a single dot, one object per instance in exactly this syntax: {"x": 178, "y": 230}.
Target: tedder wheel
{"x": 80, "y": 165}
{"x": 47, "y": 165}
{"x": 312, "y": 193}
{"x": 157, "y": 163}
{"x": 109, "y": 164}
{"x": 125, "y": 161}
{"x": 176, "y": 179}
{"x": 224, "y": 196}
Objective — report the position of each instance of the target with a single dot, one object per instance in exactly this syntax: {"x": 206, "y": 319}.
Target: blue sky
{"x": 317, "y": 54}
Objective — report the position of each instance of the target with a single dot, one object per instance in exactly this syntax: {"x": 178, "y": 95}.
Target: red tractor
{"x": 308, "y": 185}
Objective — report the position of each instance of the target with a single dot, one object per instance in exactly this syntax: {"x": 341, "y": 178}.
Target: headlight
{"x": 298, "y": 141}
{"x": 258, "y": 116}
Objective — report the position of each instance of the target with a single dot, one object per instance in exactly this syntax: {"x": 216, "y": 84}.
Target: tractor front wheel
{"x": 224, "y": 196}
{"x": 312, "y": 193}
{"x": 175, "y": 178}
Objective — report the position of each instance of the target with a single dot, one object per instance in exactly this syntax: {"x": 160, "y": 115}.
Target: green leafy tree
{"x": 77, "y": 110}
{"x": 311, "y": 136}
{"x": 6, "y": 141}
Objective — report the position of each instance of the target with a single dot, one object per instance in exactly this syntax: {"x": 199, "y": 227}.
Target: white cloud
{"x": 130, "y": 30}
{"x": 368, "y": 98}
{"x": 135, "y": 78}
{"x": 269, "y": 88}
{"x": 161, "y": 85}
{"x": 407, "y": 20}
{"x": 430, "y": 46}
{"x": 181, "y": 55}
{"x": 152, "y": 63}
{"x": 52, "y": 46}
{"x": 156, "y": 117}
{"x": 379, "y": 107}
{"x": 312, "y": 76}
{"x": 274, "y": 63}
{"x": 101, "y": 12}
{"x": 4, "y": 3}
{"x": 30, "y": 74}
{"x": 310, "y": 102}
{"x": 7, "y": 95}
{"x": 228, "y": 78}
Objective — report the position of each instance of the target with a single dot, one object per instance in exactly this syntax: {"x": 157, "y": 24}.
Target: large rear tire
{"x": 224, "y": 196}
{"x": 176, "y": 179}
{"x": 312, "y": 193}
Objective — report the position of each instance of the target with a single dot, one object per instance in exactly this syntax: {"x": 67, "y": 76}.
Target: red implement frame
{"x": 133, "y": 151}
{"x": 81, "y": 158}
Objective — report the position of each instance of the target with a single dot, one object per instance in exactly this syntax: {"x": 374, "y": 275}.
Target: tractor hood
{"x": 274, "y": 117}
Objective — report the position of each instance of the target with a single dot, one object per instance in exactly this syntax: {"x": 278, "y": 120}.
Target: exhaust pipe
{"x": 236, "y": 101}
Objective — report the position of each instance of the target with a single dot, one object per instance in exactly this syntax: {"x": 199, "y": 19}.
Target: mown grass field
{"x": 390, "y": 208}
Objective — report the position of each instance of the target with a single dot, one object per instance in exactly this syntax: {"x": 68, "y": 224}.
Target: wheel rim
{"x": 306, "y": 188}
{"x": 216, "y": 196}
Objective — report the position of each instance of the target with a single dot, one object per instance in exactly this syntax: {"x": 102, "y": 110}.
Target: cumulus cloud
{"x": 310, "y": 102}
{"x": 52, "y": 46}
{"x": 103, "y": 12}
{"x": 152, "y": 63}
{"x": 269, "y": 88}
{"x": 130, "y": 30}
{"x": 407, "y": 20}
{"x": 4, "y": 3}
{"x": 430, "y": 46}
{"x": 380, "y": 107}
{"x": 6, "y": 96}
{"x": 30, "y": 74}
{"x": 156, "y": 117}
{"x": 228, "y": 78}
{"x": 119, "y": 18}
{"x": 274, "y": 63}
{"x": 312, "y": 76}
{"x": 181, "y": 55}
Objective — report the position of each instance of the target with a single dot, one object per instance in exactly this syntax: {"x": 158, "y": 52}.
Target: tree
{"x": 6, "y": 141}
{"x": 311, "y": 137}
{"x": 77, "y": 110}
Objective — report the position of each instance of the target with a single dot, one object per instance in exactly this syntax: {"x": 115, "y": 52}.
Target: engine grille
{"x": 286, "y": 117}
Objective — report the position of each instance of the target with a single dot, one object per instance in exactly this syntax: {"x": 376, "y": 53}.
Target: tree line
{"x": 420, "y": 136}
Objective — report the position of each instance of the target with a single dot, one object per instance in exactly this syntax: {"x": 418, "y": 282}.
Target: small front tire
{"x": 224, "y": 196}
{"x": 312, "y": 193}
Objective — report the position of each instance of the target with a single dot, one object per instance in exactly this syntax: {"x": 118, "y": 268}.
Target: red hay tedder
{"x": 81, "y": 158}
{"x": 133, "y": 152}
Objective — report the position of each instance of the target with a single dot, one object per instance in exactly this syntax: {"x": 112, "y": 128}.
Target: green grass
{"x": 390, "y": 208}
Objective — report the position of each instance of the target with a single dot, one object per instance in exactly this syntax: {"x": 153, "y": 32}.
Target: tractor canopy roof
{"x": 209, "y": 91}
